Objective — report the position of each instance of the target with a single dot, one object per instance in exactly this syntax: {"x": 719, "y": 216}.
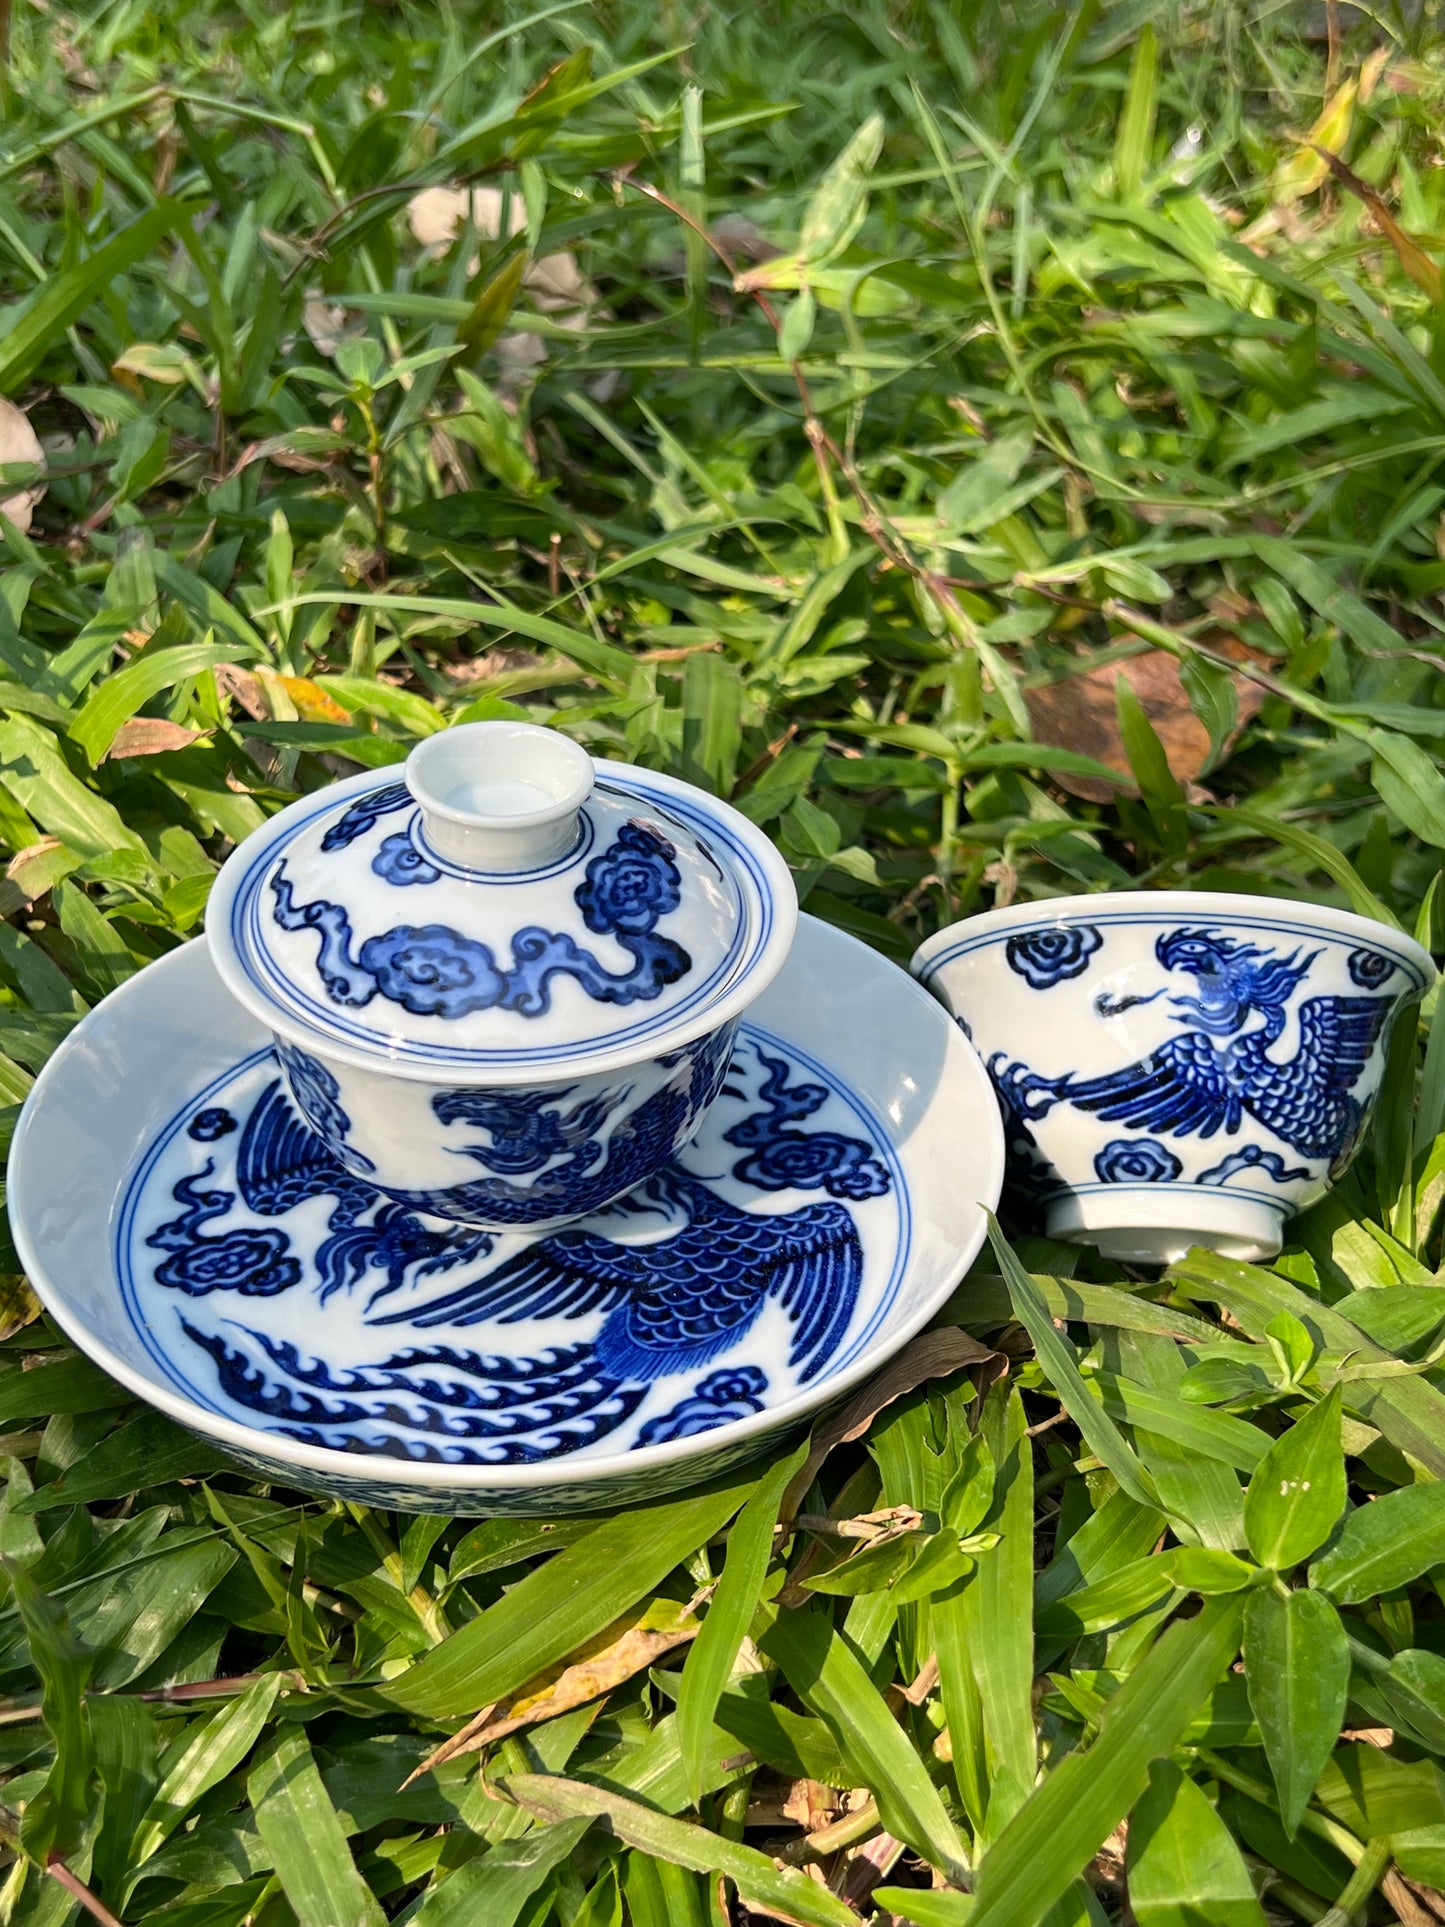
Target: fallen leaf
{"x": 19, "y": 443}
{"x": 809, "y": 1805}
{"x": 243, "y": 686}
{"x": 932, "y": 1354}
{"x": 18, "y": 1304}
{"x": 150, "y": 736}
{"x": 1079, "y": 713}
{"x": 40, "y": 866}
{"x": 625, "y": 1647}
{"x": 325, "y": 325}
{"x": 312, "y": 701}
{"x": 436, "y": 213}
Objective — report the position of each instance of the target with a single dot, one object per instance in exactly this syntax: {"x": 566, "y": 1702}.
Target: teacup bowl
{"x": 1177, "y": 1068}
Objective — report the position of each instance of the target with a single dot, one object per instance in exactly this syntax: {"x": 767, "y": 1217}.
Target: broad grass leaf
{"x": 835, "y": 212}
{"x": 212, "y": 1749}
{"x": 55, "y": 1817}
{"x": 759, "y": 1882}
{"x": 1408, "y": 1411}
{"x": 1384, "y": 1545}
{"x": 497, "y": 1886}
{"x": 927, "y": 1909}
{"x": 123, "y": 1731}
{"x": 1409, "y": 784}
{"x": 1184, "y": 1869}
{"x": 1136, "y": 119}
{"x": 148, "y": 1450}
{"x": 299, "y": 1825}
{"x": 1297, "y": 1667}
{"x": 1373, "y": 1792}
{"x": 1056, "y": 1356}
{"x": 797, "y": 329}
{"x": 125, "y": 691}
{"x": 996, "y": 1614}
{"x": 42, "y": 321}
{"x": 60, "y": 1385}
{"x": 1064, "y": 1823}
{"x": 827, "y": 1675}
{"x": 1111, "y": 1601}
{"x": 1158, "y": 786}
{"x": 568, "y": 1600}
{"x": 1297, "y": 1491}
{"x": 35, "y": 773}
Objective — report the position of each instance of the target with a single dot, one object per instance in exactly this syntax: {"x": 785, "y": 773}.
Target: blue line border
{"x": 1150, "y": 919}
{"x": 265, "y": 973}
{"x": 750, "y": 1033}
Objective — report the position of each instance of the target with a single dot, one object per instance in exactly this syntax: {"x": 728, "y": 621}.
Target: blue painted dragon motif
{"x": 1192, "y": 1085}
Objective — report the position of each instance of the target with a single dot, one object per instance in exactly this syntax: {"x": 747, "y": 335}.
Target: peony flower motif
{"x": 719, "y": 1399}
{"x": 1368, "y": 968}
{"x": 399, "y": 861}
{"x": 206, "y": 1126}
{"x": 1053, "y": 954}
{"x": 433, "y": 971}
{"x": 631, "y": 885}
{"x": 844, "y": 1167}
{"x": 1139, "y": 1160}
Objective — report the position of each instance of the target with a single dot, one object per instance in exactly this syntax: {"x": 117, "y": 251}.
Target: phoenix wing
{"x": 1307, "y": 1100}
{"x": 1181, "y": 1088}
{"x": 280, "y": 1162}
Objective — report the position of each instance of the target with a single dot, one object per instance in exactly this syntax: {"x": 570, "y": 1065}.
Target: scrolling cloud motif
{"x": 435, "y": 971}
{"x": 1138, "y": 1160}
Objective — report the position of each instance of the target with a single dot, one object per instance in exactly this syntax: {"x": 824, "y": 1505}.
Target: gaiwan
{"x": 504, "y": 989}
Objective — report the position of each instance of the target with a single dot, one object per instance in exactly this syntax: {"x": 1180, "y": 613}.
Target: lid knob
{"x": 499, "y": 796}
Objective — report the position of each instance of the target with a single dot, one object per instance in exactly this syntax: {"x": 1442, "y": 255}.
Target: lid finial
{"x": 499, "y": 795}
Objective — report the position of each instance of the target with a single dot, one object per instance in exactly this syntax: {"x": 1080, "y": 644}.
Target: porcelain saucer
{"x": 192, "y": 1235}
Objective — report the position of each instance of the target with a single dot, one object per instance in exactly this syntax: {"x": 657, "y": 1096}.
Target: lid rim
{"x": 770, "y": 912}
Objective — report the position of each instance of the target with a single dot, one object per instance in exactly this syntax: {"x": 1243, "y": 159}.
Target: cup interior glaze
{"x": 1176, "y": 1068}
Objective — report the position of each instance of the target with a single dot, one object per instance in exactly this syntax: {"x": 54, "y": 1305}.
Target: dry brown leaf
{"x": 1080, "y": 713}
{"x": 39, "y": 867}
{"x": 325, "y": 325}
{"x": 809, "y": 1805}
{"x": 240, "y": 683}
{"x": 150, "y": 736}
{"x": 19, "y": 443}
{"x": 436, "y": 213}
{"x": 1414, "y": 1906}
{"x": 625, "y": 1647}
{"x": 932, "y": 1354}
{"x": 1424, "y": 272}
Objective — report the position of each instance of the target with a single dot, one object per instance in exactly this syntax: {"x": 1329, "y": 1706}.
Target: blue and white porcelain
{"x": 1177, "y": 1068}
{"x": 504, "y": 989}
{"x": 187, "y": 1228}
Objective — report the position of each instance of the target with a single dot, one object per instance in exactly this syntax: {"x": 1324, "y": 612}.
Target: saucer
{"x": 191, "y": 1234}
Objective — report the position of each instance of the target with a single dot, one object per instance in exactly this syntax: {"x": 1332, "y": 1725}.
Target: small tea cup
{"x": 1177, "y": 1067}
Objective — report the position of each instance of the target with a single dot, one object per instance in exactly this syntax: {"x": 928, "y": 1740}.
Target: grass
{"x": 917, "y": 368}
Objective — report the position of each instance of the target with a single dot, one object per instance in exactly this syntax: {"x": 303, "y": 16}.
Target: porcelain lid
{"x": 509, "y": 908}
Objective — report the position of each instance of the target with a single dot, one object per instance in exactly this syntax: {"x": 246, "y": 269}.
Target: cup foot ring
{"x": 1152, "y": 1224}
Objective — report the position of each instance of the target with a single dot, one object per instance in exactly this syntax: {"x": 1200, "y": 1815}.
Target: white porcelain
{"x": 188, "y": 1232}
{"x": 1175, "y": 1067}
{"x": 505, "y": 989}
